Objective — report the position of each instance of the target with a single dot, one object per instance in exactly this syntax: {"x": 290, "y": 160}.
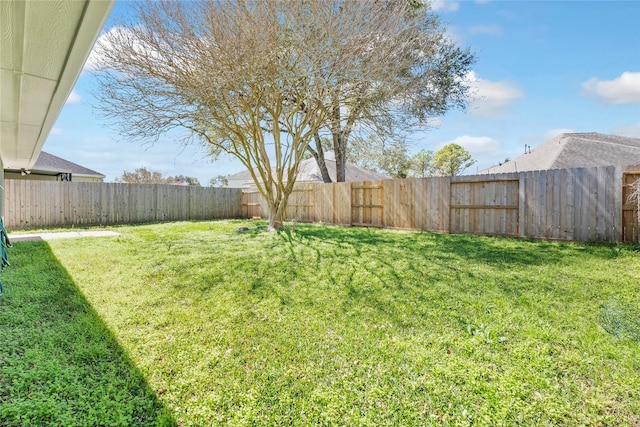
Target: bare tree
{"x": 191, "y": 180}
{"x": 219, "y": 181}
{"x": 235, "y": 74}
{"x": 372, "y": 153}
{"x": 365, "y": 151}
{"x": 404, "y": 71}
{"x": 260, "y": 79}
{"x": 394, "y": 159}
{"x": 144, "y": 176}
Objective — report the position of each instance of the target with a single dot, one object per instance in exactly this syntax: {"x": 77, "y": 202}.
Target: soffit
{"x": 43, "y": 48}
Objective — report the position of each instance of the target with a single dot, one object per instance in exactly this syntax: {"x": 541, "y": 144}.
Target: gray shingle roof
{"x": 575, "y": 150}
{"x": 49, "y": 163}
{"x": 309, "y": 171}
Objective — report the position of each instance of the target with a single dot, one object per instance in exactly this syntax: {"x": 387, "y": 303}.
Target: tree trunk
{"x": 276, "y": 216}
{"x": 318, "y": 154}
{"x": 340, "y": 151}
{"x": 339, "y": 148}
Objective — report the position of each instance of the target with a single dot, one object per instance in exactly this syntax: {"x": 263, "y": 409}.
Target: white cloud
{"x": 74, "y": 98}
{"x": 94, "y": 59}
{"x": 491, "y": 30}
{"x": 445, "y": 5}
{"x": 622, "y": 90}
{"x": 56, "y": 131}
{"x": 491, "y": 99}
{"x": 98, "y": 156}
{"x": 550, "y": 134}
{"x": 475, "y": 144}
{"x": 630, "y": 130}
{"x": 535, "y": 139}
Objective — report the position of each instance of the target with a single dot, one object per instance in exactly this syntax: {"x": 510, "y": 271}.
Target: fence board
{"x": 547, "y": 195}
{"x": 529, "y": 203}
{"x": 600, "y": 210}
{"x": 522, "y": 206}
{"x": 445, "y": 196}
{"x": 404, "y": 204}
{"x": 592, "y": 208}
{"x": 342, "y": 203}
{"x": 537, "y": 205}
{"x": 577, "y": 188}
{"x": 324, "y": 196}
{"x": 419, "y": 199}
{"x": 553, "y": 213}
{"x": 564, "y": 204}
{"x": 389, "y": 189}
{"x": 301, "y": 203}
{"x": 433, "y": 205}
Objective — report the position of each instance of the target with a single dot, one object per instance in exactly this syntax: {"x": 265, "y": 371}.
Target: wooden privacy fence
{"x": 583, "y": 204}
{"x": 38, "y": 204}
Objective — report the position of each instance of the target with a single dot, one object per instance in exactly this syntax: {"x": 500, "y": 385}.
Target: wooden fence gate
{"x": 630, "y": 220}
{"x": 367, "y": 205}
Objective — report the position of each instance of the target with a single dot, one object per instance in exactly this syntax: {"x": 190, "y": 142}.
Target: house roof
{"x": 575, "y": 150}
{"x": 309, "y": 171}
{"x": 48, "y": 164}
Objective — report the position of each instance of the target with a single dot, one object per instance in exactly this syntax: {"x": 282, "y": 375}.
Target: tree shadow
{"x": 59, "y": 363}
{"x": 495, "y": 251}
{"x": 425, "y": 266}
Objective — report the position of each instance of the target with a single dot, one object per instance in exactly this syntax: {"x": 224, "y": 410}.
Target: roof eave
{"x": 84, "y": 35}
{"x": 93, "y": 19}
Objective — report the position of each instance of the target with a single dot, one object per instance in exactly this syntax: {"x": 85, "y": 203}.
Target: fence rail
{"x": 582, "y": 204}
{"x": 39, "y": 204}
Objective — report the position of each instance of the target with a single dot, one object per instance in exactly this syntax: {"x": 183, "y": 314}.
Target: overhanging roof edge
{"x": 92, "y": 22}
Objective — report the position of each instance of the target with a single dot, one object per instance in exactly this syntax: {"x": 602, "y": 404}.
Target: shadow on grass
{"x": 59, "y": 363}
{"x": 427, "y": 267}
{"x": 484, "y": 249}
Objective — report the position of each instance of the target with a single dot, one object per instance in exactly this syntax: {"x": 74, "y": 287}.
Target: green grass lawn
{"x": 194, "y": 323}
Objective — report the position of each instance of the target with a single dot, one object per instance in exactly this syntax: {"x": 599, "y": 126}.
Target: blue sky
{"x": 543, "y": 68}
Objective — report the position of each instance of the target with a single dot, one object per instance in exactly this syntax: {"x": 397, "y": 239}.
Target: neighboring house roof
{"x": 48, "y": 164}
{"x": 575, "y": 150}
{"x": 309, "y": 171}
